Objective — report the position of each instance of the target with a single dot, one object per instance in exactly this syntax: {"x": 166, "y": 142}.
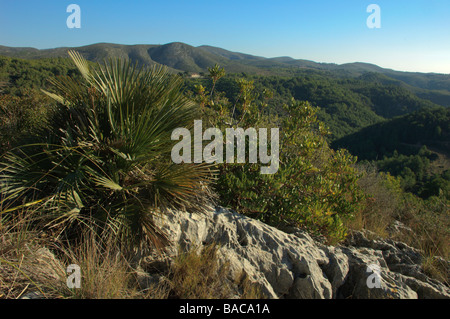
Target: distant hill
{"x": 346, "y": 104}
{"x": 181, "y": 57}
{"x": 230, "y": 55}
{"x": 414, "y": 147}
{"x": 351, "y": 96}
{"x": 405, "y": 134}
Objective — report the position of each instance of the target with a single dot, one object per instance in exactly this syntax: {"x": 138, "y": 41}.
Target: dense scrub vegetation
{"x": 18, "y": 75}
{"x": 103, "y": 161}
{"x": 22, "y": 117}
{"x": 98, "y": 152}
{"x": 412, "y": 187}
{"x": 405, "y": 134}
{"x": 402, "y": 146}
{"x": 391, "y": 127}
{"x": 95, "y": 151}
{"x": 314, "y": 188}
{"x": 346, "y": 104}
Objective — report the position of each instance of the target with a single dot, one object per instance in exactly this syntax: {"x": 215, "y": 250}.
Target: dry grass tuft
{"x": 34, "y": 262}
{"x": 26, "y": 265}
{"x": 198, "y": 274}
{"x": 381, "y": 207}
{"x": 105, "y": 271}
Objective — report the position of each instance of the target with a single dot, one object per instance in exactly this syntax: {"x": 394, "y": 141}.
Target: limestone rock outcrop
{"x": 293, "y": 265}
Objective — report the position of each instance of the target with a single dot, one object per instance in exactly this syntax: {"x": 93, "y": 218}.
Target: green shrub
{"x": 106, "y": 156}
{"x": 22, "y": 117}
{"x": 314, "y": 188}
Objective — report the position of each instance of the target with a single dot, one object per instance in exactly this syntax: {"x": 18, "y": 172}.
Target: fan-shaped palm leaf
{"x": 107, "y": 156}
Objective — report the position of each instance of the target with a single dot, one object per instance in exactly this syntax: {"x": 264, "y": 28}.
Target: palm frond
{"x": 106, "y": 157}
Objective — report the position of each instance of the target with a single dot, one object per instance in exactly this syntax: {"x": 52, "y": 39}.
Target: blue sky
{"x": 414, "y": 34}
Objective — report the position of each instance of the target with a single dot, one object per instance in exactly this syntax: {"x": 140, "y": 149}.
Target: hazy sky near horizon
{"x": 414, "y": 34}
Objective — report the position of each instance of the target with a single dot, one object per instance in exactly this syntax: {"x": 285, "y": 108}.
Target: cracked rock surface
{"x": 295, "y": 266}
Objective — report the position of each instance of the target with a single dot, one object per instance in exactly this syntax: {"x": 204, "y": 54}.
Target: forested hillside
{"x": 17, "y": 75}
{"x": 181, "y": 57}
{"x": 415, "y": 147}
{"x": 346, "y": 104}
{"x": 359, "y": 148}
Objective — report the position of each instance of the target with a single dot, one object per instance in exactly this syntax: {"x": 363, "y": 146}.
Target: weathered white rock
{"x": 295, "y": 266}
{"x": 284, "y": 265}
{"x": 398, "y": 227}
{"x": 366, "y": 266}
{"x": 405, "y": 263}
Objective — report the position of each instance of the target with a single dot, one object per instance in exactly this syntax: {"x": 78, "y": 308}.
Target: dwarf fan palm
{"x": 106, "y": 158}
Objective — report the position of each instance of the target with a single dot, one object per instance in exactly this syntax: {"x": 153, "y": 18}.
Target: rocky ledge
{"x": 293, "y": 265}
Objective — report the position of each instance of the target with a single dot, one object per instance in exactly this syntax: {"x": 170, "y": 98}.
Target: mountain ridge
{"x": 182, "y": 57}
{"x": 232, "y": 55}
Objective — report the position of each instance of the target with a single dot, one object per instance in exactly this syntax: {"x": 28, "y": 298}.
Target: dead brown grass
{"x": 427, "y": 225}
{"x": 33, "y": 261}
{"x": 198, "y": 274}
{"x": 381, "y": 206}
{"x": 25, "y": 263}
